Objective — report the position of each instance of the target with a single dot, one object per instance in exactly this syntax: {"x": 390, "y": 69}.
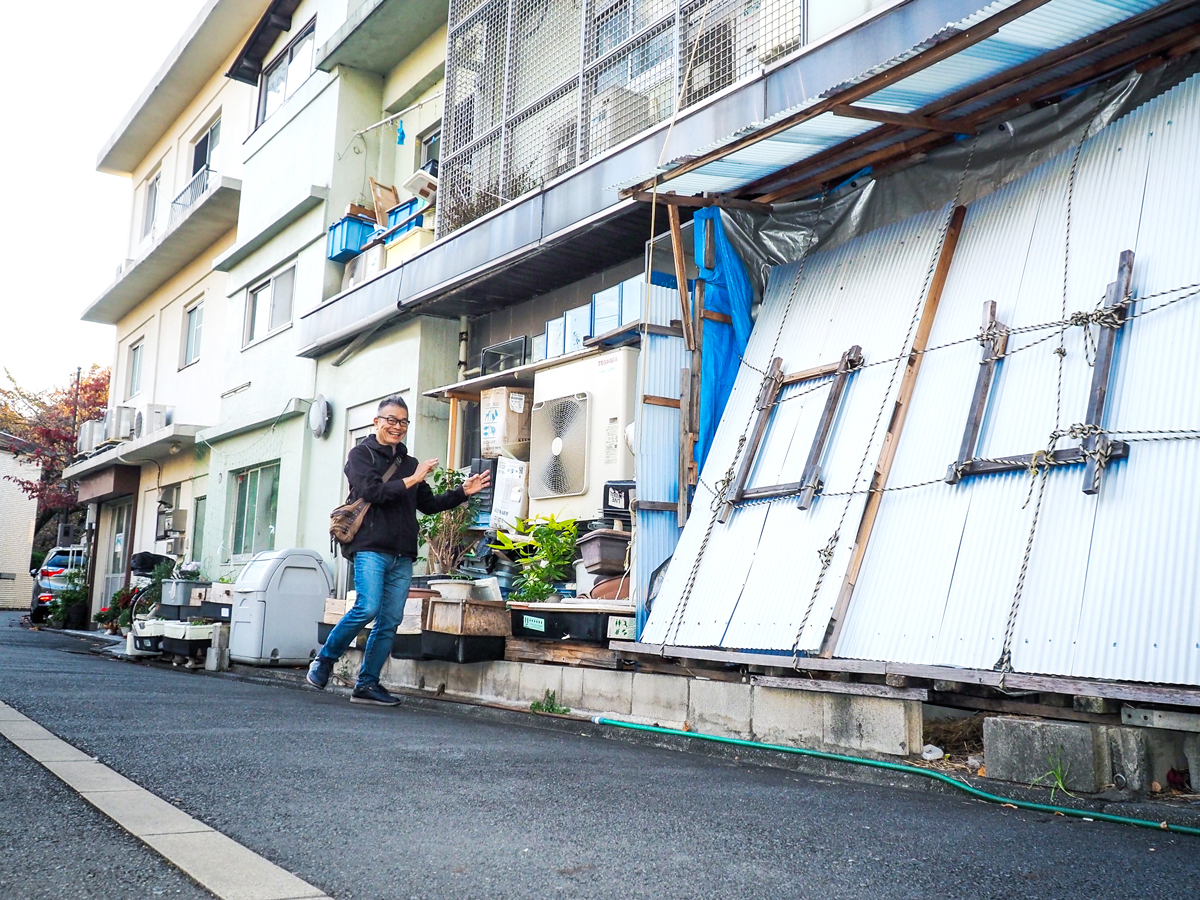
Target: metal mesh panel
{"x": 475, "y": 76}
{"x": 470, "y": 185}
{"x": 542, "y": 144}
{"x": 630, "y": 91}
{"x": 545, "y": 49}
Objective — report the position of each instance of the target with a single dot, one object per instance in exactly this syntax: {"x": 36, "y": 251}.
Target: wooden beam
{"x": 713, "y": 654}
{"x": 685, "y": 301}
{"x": 809, "y": 374}
{"x": 993, "y": 349}
{"x": 886, "y": 78}
{"x": 888, "y": 452}
{"x": 856, "y": 688}
{"x": 1106, "y": 349}
{"x": 686, "y": 441}
{"x": 710, "y": 241}
{"x": 698, "y": 202}
{"x": 811, "y": 479}
{"x": 904, "y": 120}
{"x": 765, "y": 404}
{"x": 716, "y": 316}
{"x": 654, "y": 400}
{"x": 452, "y": 432}
{"x": 655, "y": 505}
{"x": 1072, "y": 456}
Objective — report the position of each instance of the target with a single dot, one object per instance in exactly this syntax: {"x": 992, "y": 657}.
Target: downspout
{"x": 459, "y": 418}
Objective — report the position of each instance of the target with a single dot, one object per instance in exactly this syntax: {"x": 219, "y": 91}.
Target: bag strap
{"x": 390, "y": 471}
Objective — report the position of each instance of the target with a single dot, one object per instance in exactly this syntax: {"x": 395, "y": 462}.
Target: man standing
{"x": 384, "y": 547}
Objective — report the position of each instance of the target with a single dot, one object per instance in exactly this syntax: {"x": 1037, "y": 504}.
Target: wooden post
{"x": 765, "y": 405}
{"x": 994, "y": 345}
{"x": 1106, "y": 345}
{"x": 686, "y": 440}
{"x": 811, "y": 479}
{"x": 888, "y": 452}
{"x": 452, "y": 436}
{"x": 681, "y": 276}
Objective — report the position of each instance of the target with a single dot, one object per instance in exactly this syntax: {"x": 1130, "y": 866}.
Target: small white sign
{"x": 622, "y": 627}
{"x": 516, "y": 402}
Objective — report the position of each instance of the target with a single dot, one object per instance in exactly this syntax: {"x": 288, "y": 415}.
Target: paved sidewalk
{"x": 371, "y": 803}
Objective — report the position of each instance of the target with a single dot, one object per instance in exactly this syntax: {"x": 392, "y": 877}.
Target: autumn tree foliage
{"x": 47, "y": 421}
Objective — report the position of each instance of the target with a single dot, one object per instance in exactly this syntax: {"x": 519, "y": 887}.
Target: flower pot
{"x": 124, "y": 629}
{"x": 452, "y": 588}
{"x": 77, "y": 616}
{"x": 603, "y": 551}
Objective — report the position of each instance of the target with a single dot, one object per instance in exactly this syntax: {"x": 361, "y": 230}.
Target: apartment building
{"x": 18, "y": 511}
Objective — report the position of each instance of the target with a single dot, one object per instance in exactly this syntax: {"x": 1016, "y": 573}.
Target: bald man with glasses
{"x": 385, "y": 546}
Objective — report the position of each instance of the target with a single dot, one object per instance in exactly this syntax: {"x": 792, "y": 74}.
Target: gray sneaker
{"x": 318, "y": 673}
{"x": 374, "y": 695}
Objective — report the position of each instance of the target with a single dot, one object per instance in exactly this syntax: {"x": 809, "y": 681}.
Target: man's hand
{"x": 421, "y": 473}
{"x": 476, "y": 483}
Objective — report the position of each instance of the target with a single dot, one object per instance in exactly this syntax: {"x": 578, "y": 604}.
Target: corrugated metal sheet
{"x": 756, "y": 580}
{"x": 1111, "y": 582}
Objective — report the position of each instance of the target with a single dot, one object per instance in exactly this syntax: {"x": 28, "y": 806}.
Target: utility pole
{"x": 65, "y": 516}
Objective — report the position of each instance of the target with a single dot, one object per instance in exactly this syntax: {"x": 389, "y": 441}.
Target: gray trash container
{"x": 277, "y": 597}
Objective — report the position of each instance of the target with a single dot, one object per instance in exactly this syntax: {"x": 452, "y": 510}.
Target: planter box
{"x": 603, "y": 551}
{"x": 148, "y": 644}
{"x": 461, "y": 648}
{"x": 185, "y": 632}
{"x": 149, "y": 628}
{"x": 472, "y": 617}
{"x": 222, "y": 612}
{"x": 178, "y": 591}
{"x": 178, "y": 647}
{"x": 558, "y": 622}
{"x": 174, "y": 613}
{"x": 408, "y": 646}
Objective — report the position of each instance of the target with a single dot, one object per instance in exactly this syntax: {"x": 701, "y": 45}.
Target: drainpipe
{"x": 460, "y": 419}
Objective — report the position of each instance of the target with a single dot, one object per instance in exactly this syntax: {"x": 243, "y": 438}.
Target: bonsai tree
{"x": 445, "y": 533}
{"x": 544, "y": 548}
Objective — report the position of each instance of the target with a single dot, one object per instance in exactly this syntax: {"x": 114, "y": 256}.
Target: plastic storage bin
{"x": 347, "y": 237}
{"x": 398, "y": 214}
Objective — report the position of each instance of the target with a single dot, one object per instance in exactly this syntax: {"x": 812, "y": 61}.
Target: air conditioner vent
{"x": 561, "y": 427}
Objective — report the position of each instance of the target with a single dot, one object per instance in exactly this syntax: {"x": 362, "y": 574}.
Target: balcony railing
{"x": 189, "y": 195}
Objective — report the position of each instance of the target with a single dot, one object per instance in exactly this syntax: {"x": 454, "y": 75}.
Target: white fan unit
{"x": 151, "y": 418}
{"x": 91, "y": 435}
{"x": 118, "y": 423}
{"x": 580, "y": 411}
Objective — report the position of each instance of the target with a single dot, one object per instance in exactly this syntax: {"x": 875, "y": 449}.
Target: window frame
{"x": 237, "y": 510}
{"x": 133, "y": 378}
{"x": 206, "y": 135}
{"x": 284, "y": 58}
{"x": 249, "y": 339}
{"x": 196, "y": 306}
{"x": 150, "y": 202}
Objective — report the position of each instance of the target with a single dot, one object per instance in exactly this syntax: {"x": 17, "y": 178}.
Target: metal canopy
{"x": 1003, "y": 58}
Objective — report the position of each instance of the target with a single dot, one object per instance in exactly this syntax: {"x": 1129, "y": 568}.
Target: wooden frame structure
{"x": 1096, "y": 446}
{"x": 774, "y": 382}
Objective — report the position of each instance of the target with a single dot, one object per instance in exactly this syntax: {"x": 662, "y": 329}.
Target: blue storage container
{"x": 399, "y": 213}
{"x": 347, "y": 237}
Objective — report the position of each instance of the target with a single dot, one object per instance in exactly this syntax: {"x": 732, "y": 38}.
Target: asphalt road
{"x": 409, "y": 803}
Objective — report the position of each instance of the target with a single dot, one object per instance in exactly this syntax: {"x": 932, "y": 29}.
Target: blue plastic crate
{"x": 399, "y": 213}
{"x": 347, "y": 237}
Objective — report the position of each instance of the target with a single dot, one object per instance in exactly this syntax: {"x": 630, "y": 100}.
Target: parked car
{"x": 51, "y": 577}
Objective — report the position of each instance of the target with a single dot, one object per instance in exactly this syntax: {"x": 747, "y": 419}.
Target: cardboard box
{"x": 199, "y": 595}
{"x": 504, "y": 418}
{"x": 510, "y": 499}
{"x": 335, "y": 609}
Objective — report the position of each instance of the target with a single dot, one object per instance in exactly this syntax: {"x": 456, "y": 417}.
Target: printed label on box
{"x": 516, "y": 402}
{"x": 621, "y": 626}
{"x": 534, "y": 623}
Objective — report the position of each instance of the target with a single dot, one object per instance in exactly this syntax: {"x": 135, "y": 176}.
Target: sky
{"x": 75, "y": 69}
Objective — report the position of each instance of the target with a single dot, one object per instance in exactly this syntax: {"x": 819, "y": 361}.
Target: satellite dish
{"x": 320, "y": 414}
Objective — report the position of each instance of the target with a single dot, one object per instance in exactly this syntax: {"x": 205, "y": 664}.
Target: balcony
{"x": 206, "y": 209}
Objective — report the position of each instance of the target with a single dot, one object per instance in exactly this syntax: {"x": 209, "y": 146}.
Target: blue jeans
{"x": 381, "y": 580}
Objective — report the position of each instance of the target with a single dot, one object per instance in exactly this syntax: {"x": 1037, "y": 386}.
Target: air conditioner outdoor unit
{"x": 91, "y": 434}
{"x": 118, "y": 423}
{"x": 580, "y": 411}
{"x": 151, "y": 418}
{"x": 559, "y": 152}
{"x": 617, "y": 114}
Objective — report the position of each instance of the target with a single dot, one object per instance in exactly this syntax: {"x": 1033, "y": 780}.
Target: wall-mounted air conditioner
{"x": 91, "y": 435}
{"x": 617, "y": 114}
{"x": 150, "y": 418}
{"x": 580, "y": 411}
{"x": 559, "y": 152}
{"x": 118, "y": 423}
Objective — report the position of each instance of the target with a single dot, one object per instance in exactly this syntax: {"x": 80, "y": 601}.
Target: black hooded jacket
{"x": 390, "y": 525}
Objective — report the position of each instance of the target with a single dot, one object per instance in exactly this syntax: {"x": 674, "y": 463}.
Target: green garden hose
{"x": 900, "y": 767}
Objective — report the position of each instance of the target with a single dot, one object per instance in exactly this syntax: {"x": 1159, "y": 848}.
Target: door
{"x": 117, "y": 553}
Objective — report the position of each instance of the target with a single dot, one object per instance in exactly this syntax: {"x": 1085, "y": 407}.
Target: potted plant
{"x": 73, "y": 600}
{"x": 107, "y": 617}
{"x": 544, "y": 548}
{"x": 445, "y": 533}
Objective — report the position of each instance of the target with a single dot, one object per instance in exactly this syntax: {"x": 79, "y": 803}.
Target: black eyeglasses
{"x": 393, "y": 421}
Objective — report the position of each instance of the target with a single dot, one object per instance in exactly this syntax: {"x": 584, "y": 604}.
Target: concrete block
{"x": 790, "y": 718}
{"x": 465, "y": 680}
{"x": 1165, "y": 752}
{"x": 571, "y": 694}
{"x": 433, "y": 675}
{"x": 1130, "y": 761}
{"x": 720, "y": 707}
{"x": 1029, "y": 750}
{"x": 660, "y": 698}
{"x": 1191, "y": 750}
{"x": 607, "y": 691}
{"x": 874, "y": 724}
{"x": 399, "y": 674}
{"x": 501, "y": 680}
{"x": 536, "y": 680}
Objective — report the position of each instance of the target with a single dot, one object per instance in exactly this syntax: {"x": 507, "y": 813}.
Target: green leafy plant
{"x": 153, "y": 593}
{"x": 226, "y": 579}
{"x": 445, "y": 533}
{"x": 549, "y": 704}
{"x": 1057, "y": 776}
{"x": 544, "y": 548}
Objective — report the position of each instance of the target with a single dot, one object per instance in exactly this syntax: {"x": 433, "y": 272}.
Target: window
{"x": 201, "y": 507}
{"x": 135, "y": 369}
{"x": 204, "y": 151}
{"x": 269, "y": 306}
{"x": 289, "y": 70}
{"x": 255, "y": 502}
{"x": 193, "y": 324}
{"x": 150, "y": 208}
{"x": 431, "y": 152}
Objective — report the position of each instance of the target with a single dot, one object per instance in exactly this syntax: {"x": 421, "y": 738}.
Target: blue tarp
{"x": 727, "y": 290}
